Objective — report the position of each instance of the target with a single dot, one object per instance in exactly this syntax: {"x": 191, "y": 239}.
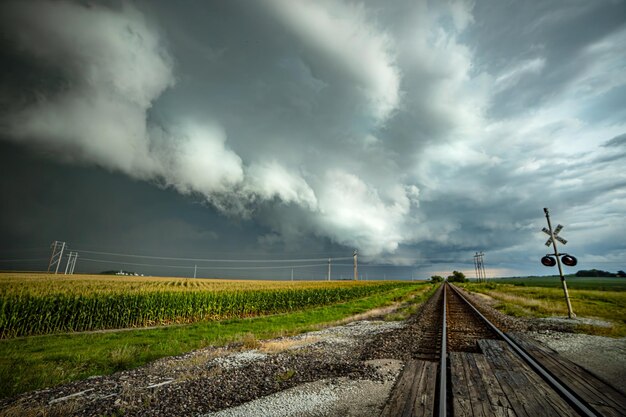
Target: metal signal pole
{"x": 570, "y": 312}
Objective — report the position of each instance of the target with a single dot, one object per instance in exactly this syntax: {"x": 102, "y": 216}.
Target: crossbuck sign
{"x": 556, "y": 235}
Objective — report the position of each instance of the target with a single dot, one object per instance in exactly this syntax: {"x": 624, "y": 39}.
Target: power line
{"x": 199, "y": 267}
{"x": 23, "y": 260}
{"x": 169, "y": 258}
{"x": 195, "y": 252}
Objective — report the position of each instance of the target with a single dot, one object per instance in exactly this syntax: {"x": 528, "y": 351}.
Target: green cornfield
{"x": 42, "y": 304}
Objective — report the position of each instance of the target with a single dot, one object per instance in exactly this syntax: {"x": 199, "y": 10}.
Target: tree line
{"x": 600, "y": 273}
{"x": 455, "y": 277}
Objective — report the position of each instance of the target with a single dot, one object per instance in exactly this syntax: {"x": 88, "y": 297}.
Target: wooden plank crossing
{"x": 414, "y": 392}
{"x": 603, "y": 397}
{"x": 475, "y": 389}
{"x": 498, "y": 383}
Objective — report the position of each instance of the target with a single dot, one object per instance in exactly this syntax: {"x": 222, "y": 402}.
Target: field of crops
{"x": 41, "y": 304}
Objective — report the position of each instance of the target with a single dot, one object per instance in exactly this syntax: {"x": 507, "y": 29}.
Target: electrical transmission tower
{"x": 71, "y": 263}
{"x": 479, "y": 266}
{"x": 55, "y": 257}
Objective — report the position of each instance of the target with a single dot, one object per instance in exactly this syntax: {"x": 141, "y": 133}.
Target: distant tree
{"x": 621, "y": 274}
{"x": 457, "y": 277}
{"x": 436, "y": 278}
{"x": 594, "y": 273}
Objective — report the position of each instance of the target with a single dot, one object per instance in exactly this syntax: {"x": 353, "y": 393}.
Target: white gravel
{"x": 324, "y": 398}
{"x": 349, "y": 333}
{"x": 239, "y": 359}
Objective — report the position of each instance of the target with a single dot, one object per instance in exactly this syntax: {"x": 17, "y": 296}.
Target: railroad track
{"x": 478, "y": 370}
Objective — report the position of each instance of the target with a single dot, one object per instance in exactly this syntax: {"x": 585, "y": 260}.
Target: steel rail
{"x": 560, "y": 387}
{"x": 443, "y": 362}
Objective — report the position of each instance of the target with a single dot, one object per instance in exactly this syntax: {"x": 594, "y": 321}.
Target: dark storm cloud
{"x": 617, "y": 141}
{"x": 412, "y": 129}
{"x": 544, "y": 49}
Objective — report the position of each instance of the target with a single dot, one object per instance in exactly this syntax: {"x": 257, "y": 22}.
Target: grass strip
{"x": 528, "y": 301}
{"x": 42, "y": 361}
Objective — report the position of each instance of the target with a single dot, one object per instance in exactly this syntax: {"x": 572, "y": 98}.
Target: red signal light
{"x": 569, "y": 260}
{"x": 548, "y": 261}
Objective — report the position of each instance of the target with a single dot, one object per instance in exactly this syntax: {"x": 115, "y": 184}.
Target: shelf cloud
{"x": 411, "y": 127}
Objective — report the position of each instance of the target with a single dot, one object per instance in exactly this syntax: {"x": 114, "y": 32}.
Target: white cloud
{"x": 201, "y": 162}
{"x": 114, "y": 67}
{"x": 512, "y": 75}
{"x": 601, "y": 57}
{"x": 461, "y": 12}
{"x": 442, "y": 86}
{"x": 353, "y": 213}
{"x": 270, "y": 180}
{"x": 346, "y": 37}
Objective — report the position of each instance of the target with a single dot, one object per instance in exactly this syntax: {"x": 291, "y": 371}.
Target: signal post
{"x": 550, "y": 261}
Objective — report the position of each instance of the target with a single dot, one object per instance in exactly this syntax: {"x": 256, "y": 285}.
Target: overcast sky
{"x": 416, "y": 132}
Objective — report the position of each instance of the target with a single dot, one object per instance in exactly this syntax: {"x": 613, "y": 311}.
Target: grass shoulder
{"x": 548, "y": 301}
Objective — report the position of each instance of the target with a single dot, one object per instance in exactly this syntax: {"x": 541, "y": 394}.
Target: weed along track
{"x": 478, "y": 370}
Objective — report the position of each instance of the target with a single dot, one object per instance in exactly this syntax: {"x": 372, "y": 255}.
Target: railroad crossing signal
{"x": 552, "y": 259}
{"x": 555, "y": 234}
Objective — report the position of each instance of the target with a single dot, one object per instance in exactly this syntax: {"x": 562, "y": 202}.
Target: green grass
{"x": 548, "y": 300}
{"x": 42, "y": 361}
{"x": 589, "y": 283}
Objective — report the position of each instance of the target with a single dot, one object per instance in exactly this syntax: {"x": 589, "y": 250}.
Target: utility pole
{"x": 328, "y": 269}
{"x": 553, "y": 238}
{"x": 479, "y": 266}
{"x": 482, "y": 266}
{"x": 476, "y": 267}
{"x": 356, "y": 268}
{"x": 56, "y": 256}
{"x": 292, "y": 274}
